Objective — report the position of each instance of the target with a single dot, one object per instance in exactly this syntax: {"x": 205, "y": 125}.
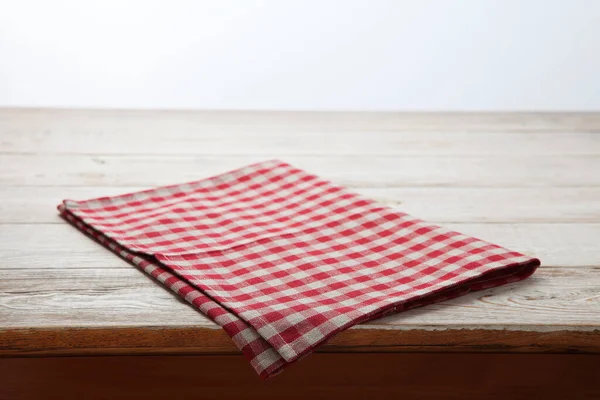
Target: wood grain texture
{"x": 349, "y": 376}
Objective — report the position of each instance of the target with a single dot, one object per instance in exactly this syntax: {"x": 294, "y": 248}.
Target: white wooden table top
{"x": 530, "y": 182}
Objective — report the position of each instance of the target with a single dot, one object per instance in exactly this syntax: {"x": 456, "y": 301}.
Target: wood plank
{"x": 331, "y": 376}
{"x": 553, "y": 299}
{"x": 101, "y": 138}
{"x": 438, "y": 204}
{"x": 14, "y": 119}
{"x": 79, "y": 170}
{"x": 63, "y": 247}
{"x": 493, "y": 205}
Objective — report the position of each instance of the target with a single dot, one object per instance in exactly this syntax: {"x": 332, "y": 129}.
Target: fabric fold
{"x": 284, "y": 260}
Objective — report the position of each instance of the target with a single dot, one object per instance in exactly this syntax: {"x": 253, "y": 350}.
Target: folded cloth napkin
{"x": 284, "y": 260}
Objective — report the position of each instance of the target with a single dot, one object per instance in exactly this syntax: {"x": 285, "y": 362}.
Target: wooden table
{"x": 77, "y": 321}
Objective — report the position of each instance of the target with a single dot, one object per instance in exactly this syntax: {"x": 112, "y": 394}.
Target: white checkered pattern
{"x": 284, "y": 260}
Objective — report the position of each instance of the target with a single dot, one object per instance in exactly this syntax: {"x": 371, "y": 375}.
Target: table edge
{"x": 60, "y": 341}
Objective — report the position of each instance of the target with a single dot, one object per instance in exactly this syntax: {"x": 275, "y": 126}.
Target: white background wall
{"x": 302, "y": 54}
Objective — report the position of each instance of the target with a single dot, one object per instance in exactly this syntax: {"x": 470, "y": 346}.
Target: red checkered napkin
{"x": 284, "y": 260}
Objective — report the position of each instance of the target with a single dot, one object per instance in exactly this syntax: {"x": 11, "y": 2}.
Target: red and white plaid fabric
{"x": 284, "y": 260}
